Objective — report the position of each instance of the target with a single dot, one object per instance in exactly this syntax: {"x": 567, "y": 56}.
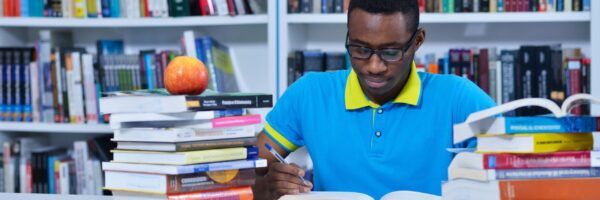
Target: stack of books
{"x": 536, "y": 157}
{"x": 183, "y": 147}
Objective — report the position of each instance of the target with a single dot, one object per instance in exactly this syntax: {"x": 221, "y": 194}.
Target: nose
{"x": 375, "y": 65}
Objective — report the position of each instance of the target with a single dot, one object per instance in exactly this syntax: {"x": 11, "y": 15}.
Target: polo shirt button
{"x": 380, "y": 111}
{"x": 378, "y": 133}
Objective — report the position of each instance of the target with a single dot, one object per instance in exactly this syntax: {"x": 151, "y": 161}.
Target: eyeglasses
{"x": 385, "y": 54}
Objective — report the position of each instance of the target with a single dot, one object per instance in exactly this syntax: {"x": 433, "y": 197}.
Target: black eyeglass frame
{"x": 379, "y": 51}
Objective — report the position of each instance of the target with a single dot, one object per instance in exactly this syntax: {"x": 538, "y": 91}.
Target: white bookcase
{"x": 459, "y": 30}
{"x": 261, "y": 43}
{"x": 252, "y": 39}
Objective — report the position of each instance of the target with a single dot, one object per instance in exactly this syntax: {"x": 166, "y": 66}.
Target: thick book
{"x": 177, "y": 184}
{"x": 184, "y": 158}
{"x": 223, "y": 122}
{"x": 514, "y": 174}
{"x": 536, "y": 143}
{"x": 184, "y": 169}
{"x": 566, "y": 159}
{"x": 118, "y": 118}
{"x": 237, "y": 193}
{"x": 486, "y": 121}
{"x": 182, "y": 134}
{"x": 158, "y": 101}
{"x": 572, "y": 189}
{"x": 186, "y": 146}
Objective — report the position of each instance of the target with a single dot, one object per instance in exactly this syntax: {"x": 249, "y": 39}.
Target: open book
{"x": 488, "y": 122}
{"x": 397, "y": 195}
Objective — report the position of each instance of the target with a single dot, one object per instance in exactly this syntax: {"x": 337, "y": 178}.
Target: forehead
{"x": 377, "y": 28}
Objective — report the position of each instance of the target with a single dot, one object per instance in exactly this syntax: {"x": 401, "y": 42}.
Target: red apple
{"x": 186, "y": 76}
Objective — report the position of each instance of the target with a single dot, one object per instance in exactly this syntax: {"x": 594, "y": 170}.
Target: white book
{"x": 23, "y": 175}
{"x": 123, "y": 9}
{"x": 91, "y": 100}
{"x": 165, "y": 8}
{"x": 98, "y": 8}
{"x": 239, "y": 7}
{"x": 35, "y": 92}
{"x": 568, "y": 5}
{"x": 80, "y": 156}
{"x": 221, "y": 7}
{"x": 116, "y": 120}
{"x": 98, "y": 179}
{"x": 183, "y": 169}
{"x": 182, "y": 134}
{"x": 64, "y": 178}
{"x": 75, "y": 89}
{"x": 189, "y": 44}
{"x": 89, "y": 177}
{"x": 317, "y": 4}
{"x": 499, "y": 82}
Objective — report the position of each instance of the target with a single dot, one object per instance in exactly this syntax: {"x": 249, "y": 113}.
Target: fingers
{"x": 283, "y": 179}
{"x": 288, "y": 169}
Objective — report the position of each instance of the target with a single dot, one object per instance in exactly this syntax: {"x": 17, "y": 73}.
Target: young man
{"x": 379, "y": 127}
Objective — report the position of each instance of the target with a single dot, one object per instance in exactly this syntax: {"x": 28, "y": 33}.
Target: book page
{"x": 327, "y": 196}
{"x": 409, "y": 195}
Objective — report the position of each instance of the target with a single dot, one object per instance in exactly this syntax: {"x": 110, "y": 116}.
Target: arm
{"x": 278, "y": 179}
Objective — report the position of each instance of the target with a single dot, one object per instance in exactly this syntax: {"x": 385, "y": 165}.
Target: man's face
{"x": 380, "y": 78}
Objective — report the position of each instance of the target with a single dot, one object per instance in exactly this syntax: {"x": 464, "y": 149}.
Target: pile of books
{"x": 535, "y": 157}
{"x": 183, "y": 147}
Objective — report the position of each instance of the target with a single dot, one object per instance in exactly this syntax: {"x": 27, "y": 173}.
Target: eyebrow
{"x": 394, "y": 43}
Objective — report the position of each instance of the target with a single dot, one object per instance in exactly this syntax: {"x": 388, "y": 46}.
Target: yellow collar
{"x": 355, "y": 98}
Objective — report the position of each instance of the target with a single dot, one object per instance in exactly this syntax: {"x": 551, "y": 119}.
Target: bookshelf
{"x": 134, "y": 23}
{"x": 55, "y": 128}
{"x": 251, "y": 39}
{"x": 456, "y": 30}
{"x": 434, "y": 18}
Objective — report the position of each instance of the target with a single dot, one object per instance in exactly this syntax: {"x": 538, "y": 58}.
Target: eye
{"x": 391, "y": 53}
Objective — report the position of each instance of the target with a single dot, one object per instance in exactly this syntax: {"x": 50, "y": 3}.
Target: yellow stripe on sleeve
{"x": 282, "y": 140}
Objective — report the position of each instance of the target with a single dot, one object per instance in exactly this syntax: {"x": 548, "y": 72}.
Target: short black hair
{"x": 410, "y": 9}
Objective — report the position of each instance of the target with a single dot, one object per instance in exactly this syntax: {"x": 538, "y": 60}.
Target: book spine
{"x": 64, "y": 186}
{"x": 207, "y": 181}
{"x": 80, "y": 157}
{"x": 236, "y": 121}
{"x": 17, "y": 87}
{"x": 546, "y": 143}
{"x": 239, "y": 193}
{"x": 529, "y": 161}
{"x": 8, "y": 115}
{"x": 186, "y": 135}
{"x": 221, "y": 166}
{"x": 216, "y": 155}
{"x": 573, "y": 124}
{"x": 91, "y": 100}
{"x": 553, "y": 188}
{"x": 213, "y": 144}
{"x": 574, "y": 73}
{"x": 547, "y": 173}
{"x": 2, "y": 86}
{"x": 484, "y": 71}
{"x": 229, "y": 102}
{"x": 26, "y": 91}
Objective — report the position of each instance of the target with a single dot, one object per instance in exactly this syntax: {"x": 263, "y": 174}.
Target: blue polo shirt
{"x": 357, "y": 145}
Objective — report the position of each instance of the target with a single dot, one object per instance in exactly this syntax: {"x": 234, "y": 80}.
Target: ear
{"x": 420, "y": 38}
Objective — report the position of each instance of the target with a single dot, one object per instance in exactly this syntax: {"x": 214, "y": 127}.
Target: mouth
{"x": 375, "y": 83}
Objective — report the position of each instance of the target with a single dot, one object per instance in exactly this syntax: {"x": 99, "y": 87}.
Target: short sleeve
{"x": 469, "y": 99}
{"x": 284, "y": 121}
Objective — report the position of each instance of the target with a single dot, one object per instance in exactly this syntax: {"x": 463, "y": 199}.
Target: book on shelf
{"x": 510, "y": 74}
{"x": 31, "y": 165}
{"x": 452, "y": 6}
{"x": 129, "y": 9}
{"x": 301, "y": 62}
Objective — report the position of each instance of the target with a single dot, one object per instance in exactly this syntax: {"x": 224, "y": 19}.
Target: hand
{"x": 283, "y": 179}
